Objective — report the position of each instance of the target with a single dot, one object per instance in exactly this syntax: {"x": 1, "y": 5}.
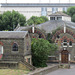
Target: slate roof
{"x": 51, "y": 25}
{"x": 13, "y": 34}
{"x": 23, "y": 28}
{"x": 59, "y": 14}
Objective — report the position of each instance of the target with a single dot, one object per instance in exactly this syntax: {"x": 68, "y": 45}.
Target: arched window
{"x": 58, "y": 36}
{"x": 70, "y": 43}
{"x": 15, "y": 47}
{"x": 39, "y": 35}
{"x": 65, "y": 42}
{"x": 27, "y": 45}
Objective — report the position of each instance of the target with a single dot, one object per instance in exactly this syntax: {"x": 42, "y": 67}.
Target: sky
{"x": 37, "y": 1}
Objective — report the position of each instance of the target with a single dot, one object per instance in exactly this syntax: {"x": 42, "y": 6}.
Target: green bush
{"x": 40, "y": 51}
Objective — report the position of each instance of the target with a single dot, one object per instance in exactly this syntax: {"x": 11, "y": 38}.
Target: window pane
{"x": 70, "y": 43}
{"x": 59, "y": 18}
{"x": 65, "y": 9}
{"x": 15, "y": 47}
{"x": 52, "y": 18}
{"x": 43, "y": 11}
{"x": 54, "y": 9}
{"x": 28, "y": 60}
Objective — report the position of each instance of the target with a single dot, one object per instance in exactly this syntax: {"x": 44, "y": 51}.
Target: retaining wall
{"x": 44, "y": 70}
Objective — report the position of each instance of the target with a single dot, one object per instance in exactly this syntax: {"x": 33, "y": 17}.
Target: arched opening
{"x": 65, "y": 42}
{"x": 37, "y": 33}
{"x": 15, "y": 47}
{"x": 70, "y": 43}
{"x": 58, "y": 36}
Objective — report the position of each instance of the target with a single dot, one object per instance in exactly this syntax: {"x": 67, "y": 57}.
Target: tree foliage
{"x": 37, "y": 20}
{"x": 9, "y": 20}
{"x": 49, "y": 37}
{"x": 41, "y": 49}
{"x": 71, "y": 12}
{"x": 73, "y": 18}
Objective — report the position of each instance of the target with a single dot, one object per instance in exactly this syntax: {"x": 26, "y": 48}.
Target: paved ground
{"x": 64, "y": 71}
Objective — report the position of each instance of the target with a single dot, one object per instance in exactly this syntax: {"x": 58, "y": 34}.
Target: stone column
{"x": 69, "y": 57}
{"x": 64, "y": 28}
{"x": 33, "y": 29}
{"x": 59, "y": 58}
{"x": 69, "y": 60}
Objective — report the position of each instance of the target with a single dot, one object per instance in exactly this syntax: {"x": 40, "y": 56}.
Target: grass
{"x": 12, "y": 72}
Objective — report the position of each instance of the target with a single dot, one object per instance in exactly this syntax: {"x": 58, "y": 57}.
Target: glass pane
{"x": 70, "y": 43}
{"x": 54, "y": 9}
{"x": 43, "y": 11}
{"x": 15, "y": 47}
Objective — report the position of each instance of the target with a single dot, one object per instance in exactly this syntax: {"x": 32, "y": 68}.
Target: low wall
{"x": 44, "y": 71}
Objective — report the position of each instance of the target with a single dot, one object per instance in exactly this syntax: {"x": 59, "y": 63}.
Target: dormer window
{"x": 52, "y": 18}
{"x": 59, "y": 18}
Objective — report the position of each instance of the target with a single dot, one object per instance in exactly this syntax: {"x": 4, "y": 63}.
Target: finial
{"x": 64, "y": 28}
{"x": 33, "y": 28}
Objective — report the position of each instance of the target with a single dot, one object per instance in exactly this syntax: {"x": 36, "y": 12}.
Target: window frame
{"x": 70, "y": 43}
{"x": 44, "y": 11}
{"x": 65, "y": 43}
{"x": 14, "y": 48}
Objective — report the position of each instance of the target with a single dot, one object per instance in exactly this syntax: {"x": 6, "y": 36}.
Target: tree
{"x": 49, "y": 37}
{"x": 44, "y": 18}
{"x": 73, "y": 18}
{"x": 71, "y": 11}
{"x": 37, "y": 20}
{"x": 40, "y": 51}
{"x": 9, "y": 20}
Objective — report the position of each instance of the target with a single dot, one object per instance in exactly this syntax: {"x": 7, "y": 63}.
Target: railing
{"x": 31, "y": 67}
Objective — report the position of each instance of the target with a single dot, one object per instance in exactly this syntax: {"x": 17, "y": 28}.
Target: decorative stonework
{"x": 37, "y": 31}
{"x": 62, "y": 31}
{"x": 65, "y": 37}
{"x": 1, "y": 43}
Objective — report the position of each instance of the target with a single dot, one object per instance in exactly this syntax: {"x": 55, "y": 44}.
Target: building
{"x": 64, "y": 35}
{"x": 15, "y": 49}
{"x": 35, "y": 9}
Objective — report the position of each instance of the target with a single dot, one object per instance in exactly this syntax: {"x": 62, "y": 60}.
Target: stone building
{"x": 64, "y": 35}
{"x": 35, "y": 9}
{"x": 15, "y": 49}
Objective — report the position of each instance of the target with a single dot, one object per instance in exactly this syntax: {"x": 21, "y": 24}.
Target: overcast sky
{"x": 37, "y": 1}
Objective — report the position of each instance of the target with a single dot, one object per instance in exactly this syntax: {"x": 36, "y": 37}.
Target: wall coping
{"x": 43, "y": 71}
